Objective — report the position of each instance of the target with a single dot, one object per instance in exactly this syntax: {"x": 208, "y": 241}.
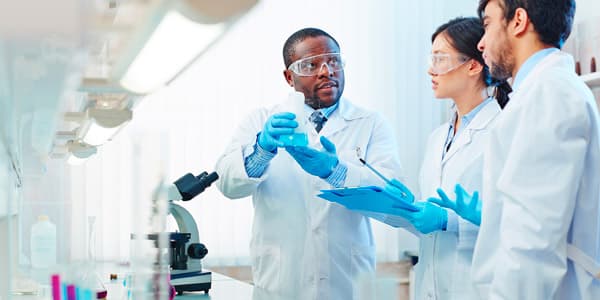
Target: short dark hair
{"x": 299, "y": 36}
{"x": 552, "y": 19}
{"x": 464, "y": 34}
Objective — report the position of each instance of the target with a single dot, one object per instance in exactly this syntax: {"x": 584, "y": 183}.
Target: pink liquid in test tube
{"x": 55, "y": 282}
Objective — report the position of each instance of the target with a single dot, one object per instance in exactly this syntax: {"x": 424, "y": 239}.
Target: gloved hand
{"x": 399, "y": 191}
{"x": 277, "y": 124}
{"x": 466, "y": 206}
{"x": 315, "y": 162}
{"x": 427, "y": 219}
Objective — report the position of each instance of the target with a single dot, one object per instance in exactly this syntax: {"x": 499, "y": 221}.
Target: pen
{"x": 379, "y": 174}
{"x": 374, "y": 171}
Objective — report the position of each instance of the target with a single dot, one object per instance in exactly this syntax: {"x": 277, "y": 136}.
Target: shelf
{"x": 592, "y": 79}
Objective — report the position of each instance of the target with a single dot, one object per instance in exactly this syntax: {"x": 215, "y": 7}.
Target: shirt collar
{"x": 529, "y": 64}
{"x": 466, "y": 119}
{"x": 471, "y": 115}
{"x": 327, "y": 111}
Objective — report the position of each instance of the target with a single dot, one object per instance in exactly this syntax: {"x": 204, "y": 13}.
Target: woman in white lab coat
{"x": 453, "y": 155}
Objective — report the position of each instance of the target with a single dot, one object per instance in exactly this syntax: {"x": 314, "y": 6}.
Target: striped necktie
{"x": 318, "y": 119}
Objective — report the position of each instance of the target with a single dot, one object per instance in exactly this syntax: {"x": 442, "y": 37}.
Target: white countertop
{"x": 223, "y": 287}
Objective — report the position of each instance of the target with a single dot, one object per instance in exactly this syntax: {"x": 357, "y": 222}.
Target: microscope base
{"x": 191, "y": 281}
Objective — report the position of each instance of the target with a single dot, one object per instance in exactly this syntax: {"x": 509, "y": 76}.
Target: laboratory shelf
{"x": 592, "y": 79}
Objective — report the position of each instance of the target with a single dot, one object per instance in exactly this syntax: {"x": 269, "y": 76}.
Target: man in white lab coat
{"x": 302, "y": 246}
{"x": 540, "y": 223}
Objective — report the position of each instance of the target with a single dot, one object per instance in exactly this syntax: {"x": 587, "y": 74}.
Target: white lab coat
{"x": 443, "y": 271}
{"x": 302, "y": 245}
{"x": 541, "y": 190}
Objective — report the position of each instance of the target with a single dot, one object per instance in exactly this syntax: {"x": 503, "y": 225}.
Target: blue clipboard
{"x": 366, "y": 198}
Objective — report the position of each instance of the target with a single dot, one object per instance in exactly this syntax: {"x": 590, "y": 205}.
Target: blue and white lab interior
{"x": 106, "y": 104}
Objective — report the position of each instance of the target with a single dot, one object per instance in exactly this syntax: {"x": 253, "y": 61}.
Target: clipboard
{"x": 366, "y": 198}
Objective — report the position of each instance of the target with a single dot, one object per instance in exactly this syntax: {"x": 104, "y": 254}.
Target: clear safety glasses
{"x": 312, "y": 65}
{"x": 442, "y": 63}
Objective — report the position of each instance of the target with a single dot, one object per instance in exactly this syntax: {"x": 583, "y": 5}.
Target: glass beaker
{"x": 295, "y": 104}
{"x": 90, "y": 279}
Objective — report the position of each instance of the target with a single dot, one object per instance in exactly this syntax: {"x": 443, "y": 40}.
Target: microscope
{"x": 186, "y": 251}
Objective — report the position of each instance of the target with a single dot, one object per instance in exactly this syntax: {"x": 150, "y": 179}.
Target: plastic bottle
{"x": 43, "y": 243}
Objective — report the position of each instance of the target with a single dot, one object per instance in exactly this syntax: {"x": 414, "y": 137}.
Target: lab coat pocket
{"x": 362, "y": 260}
{"x": 461, "y": 282}
{"x": 467, "y": 235}
{"x": 266, "y": 267}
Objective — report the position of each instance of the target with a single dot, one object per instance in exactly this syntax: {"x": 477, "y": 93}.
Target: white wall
{"x": 587, "y": 9}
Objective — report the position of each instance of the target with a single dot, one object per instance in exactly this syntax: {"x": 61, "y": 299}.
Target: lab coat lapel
{"x": 334, "y": 124}
{"x": 463, "y": 139}
{"x": 480, "y": 121}
{"x": 435, "y": 167}
{"x": 338, "y": 120}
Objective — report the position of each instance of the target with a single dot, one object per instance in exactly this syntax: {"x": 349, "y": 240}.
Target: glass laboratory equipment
{"x": 90, "y": 278}
{"x": 295, "y": 104}
{"x": 149, "y": 266}
{"x": 149, "y": 277}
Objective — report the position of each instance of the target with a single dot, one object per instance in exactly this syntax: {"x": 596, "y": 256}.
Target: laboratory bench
{"x": 223, "y": 288}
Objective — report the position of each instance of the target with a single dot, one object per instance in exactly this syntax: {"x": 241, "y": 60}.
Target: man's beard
{"x": 500, "y": 71}
{"x": 316, "y": 103}
{"x": 502, "y": 68}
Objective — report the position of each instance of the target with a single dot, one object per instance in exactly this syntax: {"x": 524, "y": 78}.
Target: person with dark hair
{"x": 454, "y": 154}
{"x": 539, "y": 236}
{"x": 303, "y": 247}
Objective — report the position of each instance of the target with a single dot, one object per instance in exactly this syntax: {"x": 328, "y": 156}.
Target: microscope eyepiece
{"x": 190, "y": 186}
{"x": 197, "y": 251}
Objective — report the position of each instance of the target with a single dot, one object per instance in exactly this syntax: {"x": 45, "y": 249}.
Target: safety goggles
{"x": 312, "y": 65}
{"x": 443, "y": 63}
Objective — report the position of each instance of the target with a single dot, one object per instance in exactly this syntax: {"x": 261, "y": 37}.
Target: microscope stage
{"x": 191, "y": 281}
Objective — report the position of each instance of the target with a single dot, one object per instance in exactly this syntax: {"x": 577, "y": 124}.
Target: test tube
{"x": 56, "y": 289}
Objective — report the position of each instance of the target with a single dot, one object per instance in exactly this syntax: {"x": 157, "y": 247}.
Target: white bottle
{"x": 43, "y": 243}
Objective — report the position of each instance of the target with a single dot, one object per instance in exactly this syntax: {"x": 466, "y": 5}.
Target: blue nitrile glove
{"x": 466, "y": 206}
{"x": 277, "y": 124}
{"x": 315, "y": 162}
{"x": 399, "y": 191}
{"x": 427, "y": 219}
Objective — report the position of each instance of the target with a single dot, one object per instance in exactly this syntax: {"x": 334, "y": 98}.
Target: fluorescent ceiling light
{"x": 175, "y": 42}
{"x": 79, "y": 152}
{"x": 102, "y": 124}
